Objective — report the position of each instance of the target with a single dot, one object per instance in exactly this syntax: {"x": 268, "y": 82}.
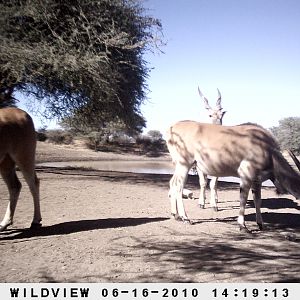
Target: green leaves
{"x": 288, "y": 134}
{"x": 80, "y": 57}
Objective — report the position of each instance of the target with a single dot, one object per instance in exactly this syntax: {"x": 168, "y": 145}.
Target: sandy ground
{"x": 114, "y": 227}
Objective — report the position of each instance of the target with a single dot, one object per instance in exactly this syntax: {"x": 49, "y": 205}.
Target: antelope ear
{"x": 207, "y": 106}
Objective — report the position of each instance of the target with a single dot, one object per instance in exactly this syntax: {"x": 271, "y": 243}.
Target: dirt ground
{"x": 114, "y": 227}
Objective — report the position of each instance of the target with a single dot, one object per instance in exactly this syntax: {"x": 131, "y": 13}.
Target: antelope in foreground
{"x": 17, "y": 147}
{"x": 246, "y": 151}
{"x": 216, "y": 115}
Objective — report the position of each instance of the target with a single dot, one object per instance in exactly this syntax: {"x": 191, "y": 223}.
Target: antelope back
{"x": 219, "y": 150}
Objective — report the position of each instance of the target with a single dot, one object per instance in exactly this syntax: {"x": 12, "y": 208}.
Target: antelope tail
{"x": 285, "y": 175}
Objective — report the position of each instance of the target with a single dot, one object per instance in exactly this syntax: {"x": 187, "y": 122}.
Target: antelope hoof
{"x": 201, "y": 206}
{"x": 3, "y": 227}
{"x": 244, "y": 229}
{"x": 35, "y": 226}
{"x": 260, "y": 226}
{"x": 174, "y": 216}
{"x": 181, "y": 219}
{"x": 215, "y": 208}
{"x": 186, "y": 221}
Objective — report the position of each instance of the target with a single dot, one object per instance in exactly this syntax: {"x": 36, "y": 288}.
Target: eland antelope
{"x": 216, "y": 115}
{"x": 246, "y": 151}
{"x": 17, "y": 148}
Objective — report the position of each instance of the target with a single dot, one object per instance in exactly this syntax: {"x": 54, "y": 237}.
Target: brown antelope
{"x": 216, "y": 115}
{"x": 17, "y": 147}
{"x": 246, "y": 151}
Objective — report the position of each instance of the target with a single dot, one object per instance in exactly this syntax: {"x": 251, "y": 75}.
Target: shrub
{"x": 41, "y": 135}
{"x": 59, "y": 137}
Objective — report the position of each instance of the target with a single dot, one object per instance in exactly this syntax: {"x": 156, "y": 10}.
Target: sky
{"x": 248, "y": 49}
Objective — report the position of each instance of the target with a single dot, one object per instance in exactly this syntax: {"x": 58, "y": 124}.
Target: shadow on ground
{"x": 161, "y": 180}
{"x": 229, "y": 257}
{"x": 76, "y": 226}
{"x": 234, "y": 257}
{"x": 181, "y": 255}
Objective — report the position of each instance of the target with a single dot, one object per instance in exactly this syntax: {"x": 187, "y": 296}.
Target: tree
{"x": 288, "y": 133}
{"x": 78, "y": 57}
{"x": 155, "y": 135}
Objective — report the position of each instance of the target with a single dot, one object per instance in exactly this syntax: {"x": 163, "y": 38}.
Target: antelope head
{"x": 216, "y": 114}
